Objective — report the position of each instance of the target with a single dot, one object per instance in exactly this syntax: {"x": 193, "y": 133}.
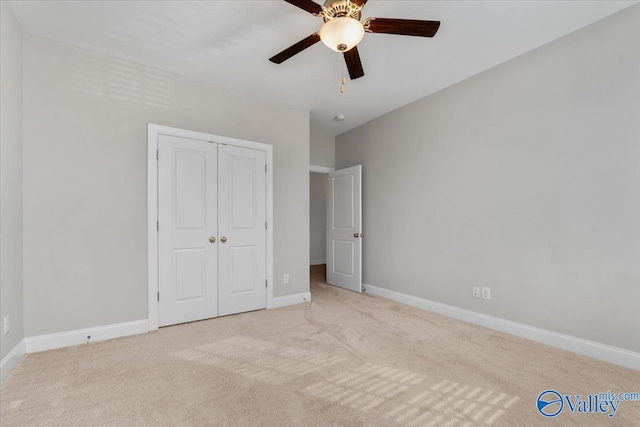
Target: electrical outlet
{"x": 6, "y": 324}
{"x": 285, "y": 278}
{"x": 486, "y": 293}
{"x": 476, "y": 291}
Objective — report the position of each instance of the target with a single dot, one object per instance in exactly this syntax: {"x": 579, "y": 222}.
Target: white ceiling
{"x": 228, "y": 43}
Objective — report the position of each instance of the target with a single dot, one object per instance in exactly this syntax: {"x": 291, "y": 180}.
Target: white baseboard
{"x": 12, "y": 359}
{"x": 317, "y": 261}
{"x": 79, "y": 336}
{"x": 291, "y": 299}
{"x": 615, "y": 355}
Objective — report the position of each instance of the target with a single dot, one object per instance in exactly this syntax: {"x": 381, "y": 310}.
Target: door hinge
{"x": 157, "y": 154}
{"x": 265, "y": 225}
{"x": 158, "y": 296}
{"x": 158, "y": 225}
{"x": 266, "y": 284}
{"x": 265, "y": 168}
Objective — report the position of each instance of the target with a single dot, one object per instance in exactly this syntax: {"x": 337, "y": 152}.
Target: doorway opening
{"x": 318, "y": 184}
{"x": 336, "y": 227}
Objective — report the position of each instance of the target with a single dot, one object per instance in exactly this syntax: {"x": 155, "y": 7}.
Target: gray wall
{"x": 85, "y": 154}
{"x": 526, "y": 179}
{"x": 11, "y": 302}
{"x": 318, "y": 215}
{"x": 322, "y": 147}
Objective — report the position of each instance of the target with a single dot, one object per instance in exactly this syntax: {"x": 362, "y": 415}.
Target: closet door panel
{"x": 187, "y": 214}
{"x": 242, "y": 229}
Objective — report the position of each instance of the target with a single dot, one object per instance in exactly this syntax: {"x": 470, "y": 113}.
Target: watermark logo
{"x": 550, "y": 403}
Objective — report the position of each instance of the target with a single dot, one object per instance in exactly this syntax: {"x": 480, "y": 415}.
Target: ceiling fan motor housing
{"x": 339, "y": 8}
{"x": 342, "y": 29}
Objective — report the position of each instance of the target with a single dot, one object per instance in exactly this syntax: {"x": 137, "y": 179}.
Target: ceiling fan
{"x": 342, "y": 30}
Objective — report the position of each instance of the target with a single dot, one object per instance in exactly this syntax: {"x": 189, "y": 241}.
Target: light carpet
{"x": 342, "y": 360}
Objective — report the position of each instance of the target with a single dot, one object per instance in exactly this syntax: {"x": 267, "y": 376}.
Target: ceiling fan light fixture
{"x": 342, "y": 34}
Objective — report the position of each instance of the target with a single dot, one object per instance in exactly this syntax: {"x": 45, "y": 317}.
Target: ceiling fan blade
{"x": 359, "y": 2}
{"x": 296, "y": 48}
{"x": 403, "y": 27}
{"x": 308, "y": 5}
{"x": 354, "y": 65}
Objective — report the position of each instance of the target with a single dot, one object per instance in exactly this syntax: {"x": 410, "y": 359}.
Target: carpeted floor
{"x": 342, "y": 360}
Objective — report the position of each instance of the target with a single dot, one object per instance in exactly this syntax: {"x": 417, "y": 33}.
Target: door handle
{"x": 212, "y": 239}
{"x": 356, "y": 235}
{"x": 223, "y": 239}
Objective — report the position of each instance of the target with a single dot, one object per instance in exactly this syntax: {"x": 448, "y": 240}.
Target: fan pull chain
{"x": 342, "y": 86}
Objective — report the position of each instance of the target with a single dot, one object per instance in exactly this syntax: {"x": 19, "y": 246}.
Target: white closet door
{"x": 344, "y": 225}
{"x": 242, "y": 229}
{"x": 187, "y": 213}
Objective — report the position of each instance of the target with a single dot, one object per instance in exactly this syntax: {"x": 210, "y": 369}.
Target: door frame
{"x": 154, "y": 131}
{"x": 320, "y": 169}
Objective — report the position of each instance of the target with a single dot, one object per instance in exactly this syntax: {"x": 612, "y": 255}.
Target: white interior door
{"x": 187, "y": 214}
{"x": 242, "y": 229}
{"x": 344, "y": 229}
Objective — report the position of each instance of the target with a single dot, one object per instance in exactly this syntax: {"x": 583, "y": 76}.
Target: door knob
{"x": 223, "y": 239}
{"x": 212, "y": 239}
{"x": 357, "y": 235}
